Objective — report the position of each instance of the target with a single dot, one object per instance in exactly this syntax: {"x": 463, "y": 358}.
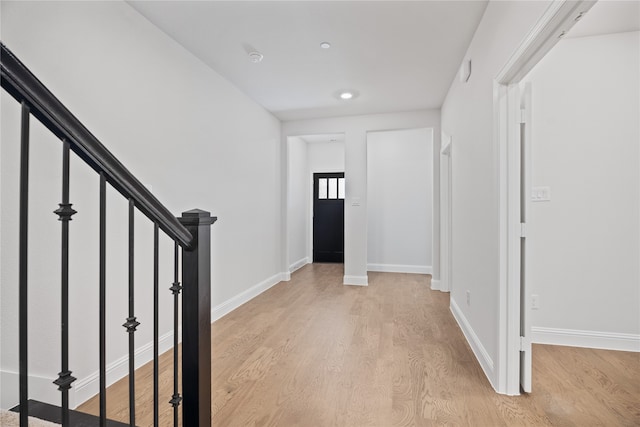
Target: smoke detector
{"x": 255, "y": 56}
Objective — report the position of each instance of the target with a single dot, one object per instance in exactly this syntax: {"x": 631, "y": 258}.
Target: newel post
{"x": 196, "y": 320}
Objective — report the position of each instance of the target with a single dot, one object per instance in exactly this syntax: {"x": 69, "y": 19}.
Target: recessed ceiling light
{"x": 255, "y": 56}
{"x": 325, "y": 45}
{"x": 346, "y": 94}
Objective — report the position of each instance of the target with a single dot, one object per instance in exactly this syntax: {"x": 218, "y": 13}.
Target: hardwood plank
{"x": 312, "y": 352}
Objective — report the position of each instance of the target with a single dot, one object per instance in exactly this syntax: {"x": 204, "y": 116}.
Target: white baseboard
{"x": 82, "y": 389}
{"x": 438, "y": 285}
{"x": 587, "y": 339}
{"x": 476, "y": 345}
{"x": 40, "y": 388}
{"x": 85, "y": 388}
{"x": 399, "y": 268}
{"x": 231, "y": 304}
{"x": 298, "y": 264}
{"x": 355, "y": 280}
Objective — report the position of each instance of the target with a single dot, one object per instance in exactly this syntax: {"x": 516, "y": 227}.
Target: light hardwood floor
{"x": 312, "y": 352}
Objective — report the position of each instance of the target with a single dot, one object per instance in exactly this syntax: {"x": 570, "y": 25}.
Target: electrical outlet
{"x": 468, "y": 297}
{"x": 535, "y": 302}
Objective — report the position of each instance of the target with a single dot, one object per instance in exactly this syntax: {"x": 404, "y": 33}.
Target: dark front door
{"x": 328, "y": 217}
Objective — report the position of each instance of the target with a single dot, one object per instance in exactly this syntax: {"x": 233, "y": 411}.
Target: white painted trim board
{"x": 355, "y": 280}
{"x": 438, "y": 285}
{"x": 231, "y": 304}
{"x": 83, "y": 389}
{"x": 43, "y": 389}
{"x": 586, "y": 339}
{"x": 298, "y": 264}
{"x": 483, "y": 357}
{"x": 400, "y": 268}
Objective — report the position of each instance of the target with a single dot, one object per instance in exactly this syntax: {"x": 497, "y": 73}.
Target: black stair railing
{"x": 191, "y": 234}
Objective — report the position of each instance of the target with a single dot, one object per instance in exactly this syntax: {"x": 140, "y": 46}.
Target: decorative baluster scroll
{"x": 65, "y": 212}
{"x": 131, "y": 324}
{"x": 175, "y": 290}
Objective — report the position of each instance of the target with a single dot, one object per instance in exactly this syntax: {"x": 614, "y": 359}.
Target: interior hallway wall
{"x": 467, "y": 116}
{"x": 585, "y": 242}
{"x": 400, "y": 201}
{"x": 182, "y": 129}
{"x": 325, "y": 156}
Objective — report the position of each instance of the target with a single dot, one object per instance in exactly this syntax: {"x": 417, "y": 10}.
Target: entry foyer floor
{"x": 312, "y": 352}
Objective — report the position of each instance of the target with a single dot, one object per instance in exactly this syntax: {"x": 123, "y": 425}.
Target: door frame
{"x": 446, "y": 214}
{"x": 559, "y": 17}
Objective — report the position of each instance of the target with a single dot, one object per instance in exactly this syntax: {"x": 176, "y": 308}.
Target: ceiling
{"x": 608, "y": 17}
{"x": 397, "y": 55}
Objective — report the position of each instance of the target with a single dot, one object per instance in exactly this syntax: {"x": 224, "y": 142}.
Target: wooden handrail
{"x": 24, "y": 86}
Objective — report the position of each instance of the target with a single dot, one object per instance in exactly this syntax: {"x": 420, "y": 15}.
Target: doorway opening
{"x": 580, "y": 186}
{"x": 328, "y": 217}
{"x": 556, "y": 138}
{"x": 308, "y": 155}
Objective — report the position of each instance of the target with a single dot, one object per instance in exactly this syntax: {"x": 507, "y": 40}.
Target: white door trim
{"x": 557, "y": 20}
{"x": 445, "y": 214}
{"x": 525, "y": 206}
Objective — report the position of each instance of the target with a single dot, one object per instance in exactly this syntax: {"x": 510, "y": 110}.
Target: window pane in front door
{"x": 322, "y": 188}
{"x": 333, "y": 188}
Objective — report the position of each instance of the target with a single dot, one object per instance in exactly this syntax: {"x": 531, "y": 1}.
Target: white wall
{"x": 180, "y": 128}
{"x": 298, "y": 206}
{"x": 355, "y": 129}
{"x": 585, "y": 243}
{"x": 325, "y": 156}
{"x": 400, "y": 201}
{"x": 467, "y": 116}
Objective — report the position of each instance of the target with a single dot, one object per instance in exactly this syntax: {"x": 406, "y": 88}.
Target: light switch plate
{"x": 541, "y": 194}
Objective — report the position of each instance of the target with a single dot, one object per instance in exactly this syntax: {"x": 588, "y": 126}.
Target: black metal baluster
{"x": 23, "y": 267}
{"x": 65, "y": 212}
{"x": 175, "y": 290}
{"x": 156, "y": 368}
{"x": 103, "y": 298}
{"x": 131, "y": 324}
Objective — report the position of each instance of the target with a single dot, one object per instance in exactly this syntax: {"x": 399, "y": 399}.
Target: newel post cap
{"x": 197, "y": 217}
